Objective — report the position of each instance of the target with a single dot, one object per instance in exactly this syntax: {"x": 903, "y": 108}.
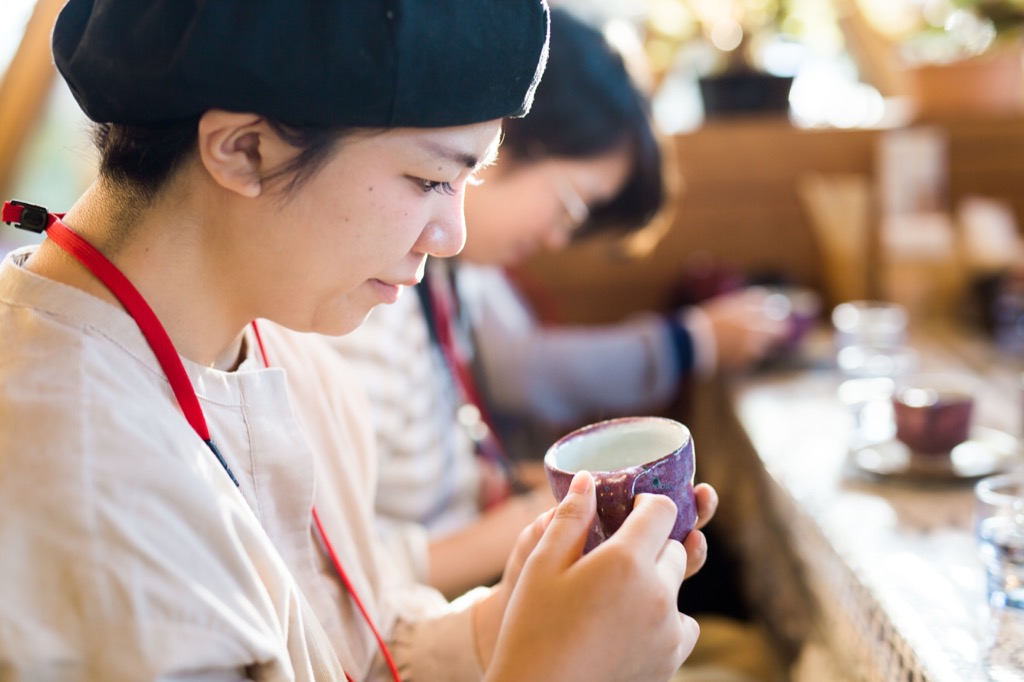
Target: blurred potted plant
{"x": 965, "y": 57}
{"x": 728, "y": 36}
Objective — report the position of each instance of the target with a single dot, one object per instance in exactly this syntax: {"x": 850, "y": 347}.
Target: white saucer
{"x": 988, "y": 451}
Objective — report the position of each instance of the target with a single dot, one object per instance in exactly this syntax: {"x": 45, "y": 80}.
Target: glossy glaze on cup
{"x": 932, "y": 420}
{"x": 626, "y": 460}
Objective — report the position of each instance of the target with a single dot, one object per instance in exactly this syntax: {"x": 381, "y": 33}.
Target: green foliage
{"x": 1005, "y": 15}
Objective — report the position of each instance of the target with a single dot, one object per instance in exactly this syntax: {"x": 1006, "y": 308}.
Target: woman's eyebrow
{"x": 467, "y": 159}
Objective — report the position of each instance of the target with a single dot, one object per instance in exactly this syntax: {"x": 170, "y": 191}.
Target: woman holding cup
{"x": 443, "y": 367}
{"x": 182, "y": 493}
{"x": 451, "y": 502}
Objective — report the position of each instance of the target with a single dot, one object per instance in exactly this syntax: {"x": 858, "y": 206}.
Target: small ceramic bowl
{"x": 627, "y": 456}
{"x": 933, "y": 412}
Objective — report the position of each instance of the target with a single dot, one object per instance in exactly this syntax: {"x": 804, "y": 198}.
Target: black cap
{"x": 335, "y": 63}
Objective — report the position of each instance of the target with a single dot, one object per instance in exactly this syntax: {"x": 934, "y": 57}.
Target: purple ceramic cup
{"x": 933, "y": 414}
{"x": 627, "y": 456}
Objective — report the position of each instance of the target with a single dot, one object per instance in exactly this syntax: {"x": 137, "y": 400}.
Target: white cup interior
{"x": 618, "y": 445}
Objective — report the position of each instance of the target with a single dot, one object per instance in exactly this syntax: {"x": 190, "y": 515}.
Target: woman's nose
{"x": 445, "y": 234}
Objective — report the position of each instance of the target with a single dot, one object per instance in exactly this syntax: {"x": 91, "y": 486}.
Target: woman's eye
{"x": 439, "y": 187}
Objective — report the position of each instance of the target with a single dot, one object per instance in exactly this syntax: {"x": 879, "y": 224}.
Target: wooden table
{"x": 863, "y": 577}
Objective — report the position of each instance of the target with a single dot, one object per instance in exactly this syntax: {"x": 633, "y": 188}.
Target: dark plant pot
{"x": 732, "y": 94}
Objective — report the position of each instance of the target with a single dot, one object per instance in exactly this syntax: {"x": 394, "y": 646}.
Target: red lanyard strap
{"x": 37, "y": 219}
{"x": 335, "y": 559}
{"x": 155, "y": 334}
{"x": 439, "y": 299}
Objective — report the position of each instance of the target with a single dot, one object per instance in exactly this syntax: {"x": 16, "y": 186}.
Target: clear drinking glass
{"x": 871, "y": 351}
{"x": 871, "y": 338}
{"x": 999, "y": 531}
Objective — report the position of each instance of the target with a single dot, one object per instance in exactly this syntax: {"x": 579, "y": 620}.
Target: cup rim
{"x": 550, "y": 455}
{"x": 946, "y": 381}
{"x": 985, "y": 489}
{"x": 876, "y": 306}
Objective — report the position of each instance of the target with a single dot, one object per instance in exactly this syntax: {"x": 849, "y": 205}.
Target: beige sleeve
{"x": 441, "y": 648}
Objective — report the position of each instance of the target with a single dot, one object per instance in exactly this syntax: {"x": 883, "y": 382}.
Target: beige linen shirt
{"x": 126, "y": 553}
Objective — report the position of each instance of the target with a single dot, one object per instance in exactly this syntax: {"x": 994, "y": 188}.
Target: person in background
{"x": 186, "y": 491}
{"x": 585, "y": 160}
{"x": 442, "y": 365}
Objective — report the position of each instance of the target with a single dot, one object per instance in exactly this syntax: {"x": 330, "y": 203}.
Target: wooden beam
{"x": 25, "y": 87}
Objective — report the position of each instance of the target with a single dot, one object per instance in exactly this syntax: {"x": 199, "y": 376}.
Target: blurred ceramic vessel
{"x": 933, "y": 413}
{"x": 800, "y": 307}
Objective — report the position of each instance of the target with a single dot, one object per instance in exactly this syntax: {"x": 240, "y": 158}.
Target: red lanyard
{"x": 442, "y": 310}
{"x": 133, "y": 302}
{"x": 28, "y": 216}
{"x": 342, "y": 575}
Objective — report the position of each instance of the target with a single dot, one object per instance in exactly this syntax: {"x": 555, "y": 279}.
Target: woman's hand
{"x": 611, "y": 614}
{"x": 745, "y": 331}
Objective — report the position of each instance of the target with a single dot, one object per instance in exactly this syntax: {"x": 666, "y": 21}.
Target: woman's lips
{"x": 388, "y": 292}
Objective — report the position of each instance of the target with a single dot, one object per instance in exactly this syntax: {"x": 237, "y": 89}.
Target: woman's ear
{"x": 237, "y": 150}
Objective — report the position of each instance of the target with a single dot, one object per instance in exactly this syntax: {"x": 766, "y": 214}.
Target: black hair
{"x": 140, "y": 159}
{"x": 588, "y": 104}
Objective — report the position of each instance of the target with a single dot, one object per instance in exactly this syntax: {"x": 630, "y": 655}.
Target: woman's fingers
{"x": 526, "y": 542}
{"x": 633, "y": 578}
{"x": 696, "y": 546}
{"x": 647, "y": 526}
{"x": 562, "y": 533}
{"x": 691, "y": 632}
{"x": 707, "y": 503}
{"x": 566, "y": 532}
{"x": 672, "y": 564}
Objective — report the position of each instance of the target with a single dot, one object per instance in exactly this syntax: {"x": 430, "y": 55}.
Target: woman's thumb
{"x": 566, "y": 535}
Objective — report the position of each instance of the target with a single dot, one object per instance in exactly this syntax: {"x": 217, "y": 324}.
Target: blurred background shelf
{"x": 741, "y": 206}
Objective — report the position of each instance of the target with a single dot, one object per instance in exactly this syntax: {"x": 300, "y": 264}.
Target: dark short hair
{"x": 588, "y": 104}
{"x": 145, "y": 72}
{"x": 140, "y": 159}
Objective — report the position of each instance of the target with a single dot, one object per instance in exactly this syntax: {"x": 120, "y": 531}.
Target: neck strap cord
{"x": 335, "y": 559}
{"x": 37, "y": 219}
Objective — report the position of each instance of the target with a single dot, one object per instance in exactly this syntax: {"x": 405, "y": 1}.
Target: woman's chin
{"x": 347, "y": 325}
{"x": 335, "y": 325}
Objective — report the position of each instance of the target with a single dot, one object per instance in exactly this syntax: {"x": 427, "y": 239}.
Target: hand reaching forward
{"x": 609, "y": 615}
{"x": 744, "y": 329}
